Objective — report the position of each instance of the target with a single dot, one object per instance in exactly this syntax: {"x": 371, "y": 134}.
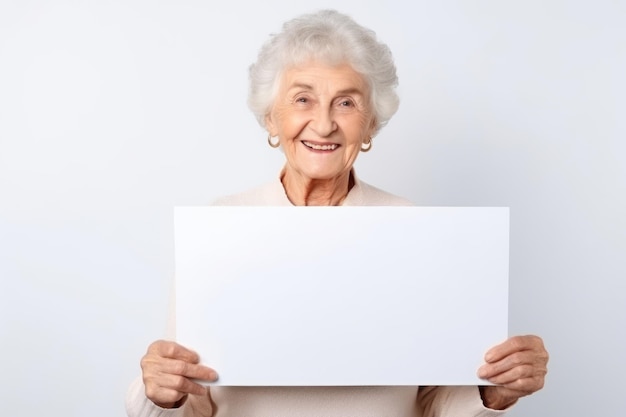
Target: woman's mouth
{"x": 318, "y": 147}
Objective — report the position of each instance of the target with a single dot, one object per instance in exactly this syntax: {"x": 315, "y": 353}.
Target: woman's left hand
{"x": 518, "y": 367}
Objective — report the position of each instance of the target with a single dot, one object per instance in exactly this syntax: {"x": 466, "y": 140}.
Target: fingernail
{"x": 482, "y": 372}
{"x": 213, "y": 376}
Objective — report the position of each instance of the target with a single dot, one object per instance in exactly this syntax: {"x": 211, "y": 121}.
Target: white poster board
{"x": 342, "y": 295}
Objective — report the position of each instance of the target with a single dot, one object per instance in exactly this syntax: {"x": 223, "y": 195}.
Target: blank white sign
{"x": 342, "y": 295}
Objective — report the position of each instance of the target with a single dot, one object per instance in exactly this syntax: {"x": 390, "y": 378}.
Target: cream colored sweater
{"x": 383, "y": 401}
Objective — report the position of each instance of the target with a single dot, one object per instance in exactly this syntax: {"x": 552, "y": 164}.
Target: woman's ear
{"x": 372, "y": 128}
{"x": 270, "y": 125}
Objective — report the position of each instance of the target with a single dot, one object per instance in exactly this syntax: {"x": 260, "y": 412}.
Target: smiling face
{"x": 321, "y": 116}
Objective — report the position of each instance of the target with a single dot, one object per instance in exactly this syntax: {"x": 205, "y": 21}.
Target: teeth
{"x": 321, "y": 147}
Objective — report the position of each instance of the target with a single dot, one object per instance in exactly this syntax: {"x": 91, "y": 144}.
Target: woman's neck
{"x": 303, "y": 191}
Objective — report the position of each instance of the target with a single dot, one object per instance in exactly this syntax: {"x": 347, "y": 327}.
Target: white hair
{"x": 332, "y": 38}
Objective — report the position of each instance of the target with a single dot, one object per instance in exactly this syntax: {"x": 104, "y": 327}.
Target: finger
{"x": 186, "y": 369}
{"x": 510, "y": 362}
{"x": 172, "y": 390}
{"x": 154, "y": 365}
{"x": 512, "y": 375}
{"x": 512, "y": 345}
{"x": 181, "y": 384}
{"x": 509, "y": 392}
{"x": 523, "y": 386}
{"x": 172, "y": 350}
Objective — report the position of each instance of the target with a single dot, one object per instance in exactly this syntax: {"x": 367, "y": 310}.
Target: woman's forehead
{"x": 315, "y": 75}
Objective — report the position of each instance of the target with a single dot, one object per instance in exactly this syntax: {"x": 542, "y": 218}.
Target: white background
{"x": 113, "y": 112}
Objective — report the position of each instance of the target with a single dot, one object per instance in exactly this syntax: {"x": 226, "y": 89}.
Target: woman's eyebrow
{"x": 345, "y": 91}
{"x": 350, "y": 91}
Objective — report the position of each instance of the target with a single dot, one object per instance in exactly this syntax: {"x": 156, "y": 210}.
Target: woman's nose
{"x": 324, "y": 122}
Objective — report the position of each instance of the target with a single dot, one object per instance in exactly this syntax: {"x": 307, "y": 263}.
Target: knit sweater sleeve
{"x": 453, "y": 401}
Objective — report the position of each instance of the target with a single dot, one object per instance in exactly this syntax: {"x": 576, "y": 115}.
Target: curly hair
{"x": 331, "y": 38}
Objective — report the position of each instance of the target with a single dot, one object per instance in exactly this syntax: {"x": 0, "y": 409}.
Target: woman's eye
{"x": 302, "y": 100}
{"x": 346, "y": 103}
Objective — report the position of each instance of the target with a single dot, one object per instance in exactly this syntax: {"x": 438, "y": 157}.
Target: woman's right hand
{"x": 167, "y": 369}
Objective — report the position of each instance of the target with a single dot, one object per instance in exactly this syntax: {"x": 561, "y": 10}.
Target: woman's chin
{"x": 323, "y": 174}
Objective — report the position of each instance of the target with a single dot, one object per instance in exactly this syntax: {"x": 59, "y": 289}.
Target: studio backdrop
{"x": 112, "y": 113}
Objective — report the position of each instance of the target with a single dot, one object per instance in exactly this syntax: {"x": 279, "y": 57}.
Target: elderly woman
{"x": 323, "y": 88}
